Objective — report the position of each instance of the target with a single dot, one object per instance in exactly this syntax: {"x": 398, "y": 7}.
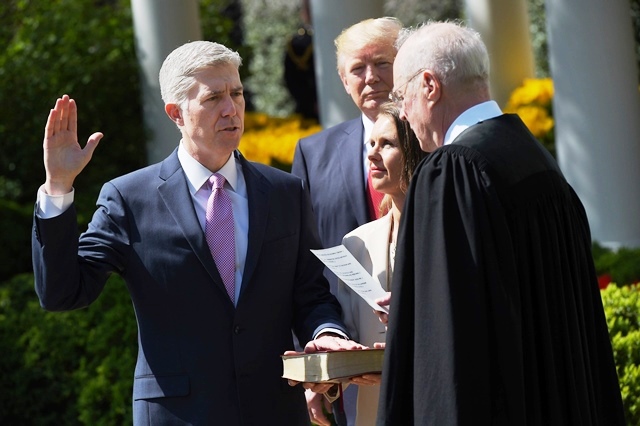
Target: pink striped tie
{"x": 219, "y": 232}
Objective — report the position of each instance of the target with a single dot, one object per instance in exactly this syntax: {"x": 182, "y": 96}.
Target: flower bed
{"x": 272, "y": 140}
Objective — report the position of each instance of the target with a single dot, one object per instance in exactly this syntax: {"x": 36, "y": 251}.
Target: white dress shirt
{"x": 197, "y": 176}
{"x": 366, "y": 138}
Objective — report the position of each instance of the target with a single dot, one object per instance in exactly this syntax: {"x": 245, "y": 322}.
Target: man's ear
{"x": 431, "y": 86}
{"x": 344, "y": 83}
{"x": 175, "y": 113}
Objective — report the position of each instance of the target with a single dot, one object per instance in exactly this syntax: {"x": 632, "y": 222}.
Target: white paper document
{"x": 342, "y": 263}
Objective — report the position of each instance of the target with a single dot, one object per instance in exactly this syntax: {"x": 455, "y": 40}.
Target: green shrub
{"x": 67, "y": 368}
{"x": 622, "y": 309}
{"x": 622, "y": 265}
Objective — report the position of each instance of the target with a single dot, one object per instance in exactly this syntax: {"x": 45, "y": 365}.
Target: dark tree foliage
{"x": 84, "y": 48}
{"x": 73, "y": 368}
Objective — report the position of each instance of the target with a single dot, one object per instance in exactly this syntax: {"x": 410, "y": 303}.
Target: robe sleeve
{"x": 439, "y": 337}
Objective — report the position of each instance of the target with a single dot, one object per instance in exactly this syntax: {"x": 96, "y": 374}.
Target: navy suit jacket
{"x": 201, "y": 361}
{"x": 330, "y": 164}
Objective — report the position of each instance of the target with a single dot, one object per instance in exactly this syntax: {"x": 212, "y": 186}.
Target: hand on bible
{"x": 323, "y": 343}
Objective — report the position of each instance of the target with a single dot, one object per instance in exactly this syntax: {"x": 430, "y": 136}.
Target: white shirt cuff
{"x": 50, "y": 206}
{"x": 331, "y": 330}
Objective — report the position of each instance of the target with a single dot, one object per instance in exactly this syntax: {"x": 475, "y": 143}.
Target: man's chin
{"x": 373, "y": 105}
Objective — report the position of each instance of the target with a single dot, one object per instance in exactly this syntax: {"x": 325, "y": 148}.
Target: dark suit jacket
{"x": 200, "y": 361}
{"x": 330, "y": 164}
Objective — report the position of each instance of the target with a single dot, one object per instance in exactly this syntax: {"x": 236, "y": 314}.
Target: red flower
{"x": 603, "y": 281}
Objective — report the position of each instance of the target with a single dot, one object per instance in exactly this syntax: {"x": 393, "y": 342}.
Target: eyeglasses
{"x": 396, "y": 97}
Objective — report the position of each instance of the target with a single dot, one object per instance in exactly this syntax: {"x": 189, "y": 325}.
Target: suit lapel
{"x": 379, "y": 249}
{"x": 351, "y": 168}
{"x": 258, "y": 189}
{"x": 175, "y": 194}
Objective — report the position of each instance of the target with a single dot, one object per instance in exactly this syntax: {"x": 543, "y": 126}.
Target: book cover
{"x": 332, "y": 366}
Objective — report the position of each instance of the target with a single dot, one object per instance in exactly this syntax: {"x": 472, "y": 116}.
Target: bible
{"x": 331, "y": 366}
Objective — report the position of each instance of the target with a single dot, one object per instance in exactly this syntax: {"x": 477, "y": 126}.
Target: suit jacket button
{"x": 237, "y": 329}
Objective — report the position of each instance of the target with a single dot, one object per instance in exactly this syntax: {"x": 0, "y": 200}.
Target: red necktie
{"x": 374, "y": 198}
{"x": 219, "y": 232}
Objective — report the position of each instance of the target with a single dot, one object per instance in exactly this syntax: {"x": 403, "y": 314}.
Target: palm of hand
{"x": 64, "y": 158}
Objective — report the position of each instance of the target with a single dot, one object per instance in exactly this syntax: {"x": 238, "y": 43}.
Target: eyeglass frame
{"x": 395, "y": 97}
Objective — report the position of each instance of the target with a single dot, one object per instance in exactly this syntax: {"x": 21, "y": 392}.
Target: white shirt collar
{"x": 197, "y": 174}
{"x": 473, "y": 115}
{"x": 368, "y": 128}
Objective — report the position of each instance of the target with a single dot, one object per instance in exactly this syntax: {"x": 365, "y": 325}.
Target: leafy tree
{"x": 80, "y": 47}
{"x": 84, "y": 48}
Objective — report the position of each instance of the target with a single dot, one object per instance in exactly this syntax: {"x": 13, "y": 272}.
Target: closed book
{"x": 332, "y": 366}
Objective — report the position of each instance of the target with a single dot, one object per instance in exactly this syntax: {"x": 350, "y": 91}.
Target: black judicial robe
{"x": 496, "y": 317}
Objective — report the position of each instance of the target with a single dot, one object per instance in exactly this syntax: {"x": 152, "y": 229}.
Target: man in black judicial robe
{"x": 496, "y": 317}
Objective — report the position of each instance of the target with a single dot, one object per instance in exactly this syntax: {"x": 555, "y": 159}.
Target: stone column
{"x": 597, "y": 112}
{"x": 160, "y": 26}
{"x": 504, "y": 27}
{"x": 329, "y": 18}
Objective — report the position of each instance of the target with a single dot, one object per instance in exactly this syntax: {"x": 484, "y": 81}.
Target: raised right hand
{"x": 64, "y": 158}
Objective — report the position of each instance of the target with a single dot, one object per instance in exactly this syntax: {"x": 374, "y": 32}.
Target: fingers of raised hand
{"x": 63, "y": 117}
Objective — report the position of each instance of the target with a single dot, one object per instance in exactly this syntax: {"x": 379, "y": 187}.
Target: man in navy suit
{"x": 333, "y": 163}
{"x": 205, "y": 356}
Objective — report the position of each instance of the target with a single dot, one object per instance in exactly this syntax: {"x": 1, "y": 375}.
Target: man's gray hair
{"x": 178, "y": 69}
{"x": 455, "y": 53}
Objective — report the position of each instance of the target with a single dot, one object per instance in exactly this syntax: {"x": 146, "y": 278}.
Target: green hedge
{"x": 622, "y": 308}
{"x": 71, "y": 368}
{"x": 620, "y": 266}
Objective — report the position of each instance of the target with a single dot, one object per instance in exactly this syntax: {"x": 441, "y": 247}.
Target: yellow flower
{"x": 532, "y": 91}
{"x": 536, "y": 119}
{"x": 532, "y": 101}
{"x": 272, "y": 140}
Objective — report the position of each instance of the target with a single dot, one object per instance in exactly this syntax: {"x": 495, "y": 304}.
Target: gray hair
{"x": 456, "y": 54}
{"x": 178, "y": 69}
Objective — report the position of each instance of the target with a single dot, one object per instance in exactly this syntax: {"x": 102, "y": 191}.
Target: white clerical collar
{"x": 197, "y": 174}
{"x": 473, "y": 115}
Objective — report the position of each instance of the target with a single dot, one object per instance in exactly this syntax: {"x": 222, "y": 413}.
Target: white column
{"x": 504, "y": 27}
{"x": 329, "y": 18}
{"x": 597, "y": 112}
{"x": 160, "y": 26}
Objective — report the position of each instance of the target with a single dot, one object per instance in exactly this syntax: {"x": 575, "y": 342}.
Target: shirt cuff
{"x": 50, "y": 206}
{"x": 331, "y": 330}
